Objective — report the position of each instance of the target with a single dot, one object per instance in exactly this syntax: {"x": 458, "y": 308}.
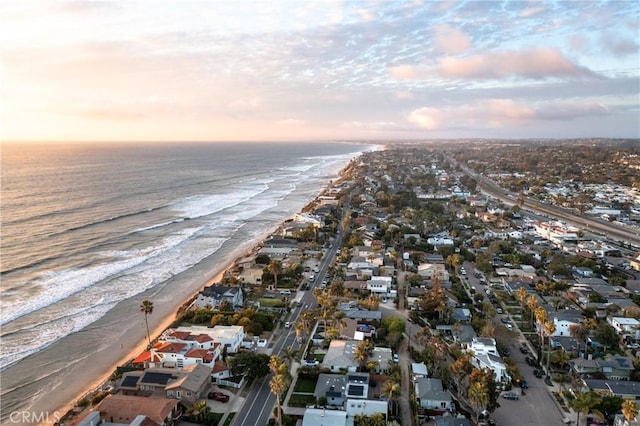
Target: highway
{"x": 590, "y": 223}
{"x": 259, "y": 402}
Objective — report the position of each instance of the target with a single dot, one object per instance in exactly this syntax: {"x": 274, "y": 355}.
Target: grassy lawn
{"x": 319, "y": 357}
{"x": 305, "y": 385}
{"x": 229, "y": 419}
{"x": 298, "y": 400}
{"x": 271, "y": 303}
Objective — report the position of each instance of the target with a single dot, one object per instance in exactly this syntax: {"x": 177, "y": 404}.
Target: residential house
{"x": 431, "y": 395}
{"x": 433, "y": 271}
{"x": 625, "y": 389}
{"x": 229, "y": 336}
{"x": 366, "y": 407}
{"x": 380, "y": 285}
{"x": 419, "y": 371}
{"x": 323, "y": 417}
{"x": 125, "y": 409}
{"x": 339, "y": 356}
{"x": 212, "y": 296}
{"x": 332, "y": 387}
{"x": 613, "y": 367}
{"x": 452, "y": 421}
{"x": 625, "y": 326}
{"x": 485, "y": 355}
{"x": 188, "y": 385}
{"x": 191, "y": 387}
{"x": 564, "y": 319}
{"x": 383, "y": 357}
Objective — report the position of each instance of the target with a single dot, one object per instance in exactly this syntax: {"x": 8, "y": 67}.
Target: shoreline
{"x": 160, "y": 325}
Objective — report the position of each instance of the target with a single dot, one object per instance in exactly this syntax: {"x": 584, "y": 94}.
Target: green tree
{"x": 394, "y": 324}
{"x": 146, "y": 307}
{"x": 391, "y": 389}
{"x": 606, "y": 335}
{"x": 584, "y": 402}
{"x": 250, "y": 364}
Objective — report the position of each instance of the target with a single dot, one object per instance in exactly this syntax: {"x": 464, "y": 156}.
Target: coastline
{"x": 157, "y": 325}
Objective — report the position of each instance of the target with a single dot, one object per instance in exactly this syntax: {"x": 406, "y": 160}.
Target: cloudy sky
{"x": 318, "y": 70}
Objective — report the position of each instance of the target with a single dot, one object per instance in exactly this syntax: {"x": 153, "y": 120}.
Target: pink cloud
{"x": 451, "y": 40}
{"x": 496, "y": 113}
{"x": 404, "y": 72}
{"x": 537, "y": 63}
{"x": 427, "y": 118}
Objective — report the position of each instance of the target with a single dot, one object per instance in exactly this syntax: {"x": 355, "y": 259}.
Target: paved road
{"x": 259, "y": 402}
{"x": 537, "y": 406}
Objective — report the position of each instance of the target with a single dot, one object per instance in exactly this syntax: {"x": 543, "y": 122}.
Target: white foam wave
{"x": 204, "y": 205}
{"x": 55, "y": 286}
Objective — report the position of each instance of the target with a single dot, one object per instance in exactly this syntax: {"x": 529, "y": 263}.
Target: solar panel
{"x": 158, "y": 378}
{"x": 130, "y": 381}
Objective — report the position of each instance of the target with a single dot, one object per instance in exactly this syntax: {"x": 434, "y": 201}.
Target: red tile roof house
{"x": 124, "y": 409}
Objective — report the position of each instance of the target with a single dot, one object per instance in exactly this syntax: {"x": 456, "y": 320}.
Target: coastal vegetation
{"x": 146, "y": 307}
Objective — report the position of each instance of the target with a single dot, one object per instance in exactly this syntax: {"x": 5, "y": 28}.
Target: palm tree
{"x": 580, "y": 333}
{"x": 200, "y": 410}
{"x": 583, "y": 402}
{"x": 532, "y": 304}
{"x": 278, "y": 382}
{"x": 478, "y": 395}
{"x": 629, "y": 410}
{"x": 361, "y": 352}
{"x": 146, "y": 307}
{"x": 275, "y": 268}
{"x": 541, "y": 318}
{"x": 549, "y": 329}
{"x": 339, "y": 320}
{"x": 391, "y": 388}
{"x": 521, "y": 295}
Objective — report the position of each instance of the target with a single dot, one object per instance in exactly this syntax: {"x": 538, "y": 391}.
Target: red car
{"x": 218, "y": 396}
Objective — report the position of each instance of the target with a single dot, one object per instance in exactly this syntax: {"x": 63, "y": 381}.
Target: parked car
{"x": 311, "y": 362}
{"x": 538, "y": 373}
{"x": 530, "y": 361}
{"x": 499, "y": 310}
{"x": 396, "y": 358}
{"x": 287, "y": 324}
{"x": 218, "y": 396}
{"x": 504, "y": 320}
{"x": 523, "y": 350}
{"x": 524, "y": 384}
{"x": 510, "y": 395}
{"x": 506, "y": 353}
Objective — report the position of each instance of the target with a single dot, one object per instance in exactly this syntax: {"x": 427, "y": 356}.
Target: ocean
{"x": 90, "y": 230}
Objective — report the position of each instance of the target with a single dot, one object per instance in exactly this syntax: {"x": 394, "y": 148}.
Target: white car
{"x": 396, "y": 358}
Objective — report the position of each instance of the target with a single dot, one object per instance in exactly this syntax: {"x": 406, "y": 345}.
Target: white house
{"x": 339, "y": 356}
{"x": 367, "y": 407}
{"x": 564, "y": 319}
{"x": 624, "y": 325}
{"x": 485, "y": 355}
{"x": 483, "y": 345}
{"x": 431, "y": 395}
{"x": 379, "y": 285}
{"x": 213, "y": 296}
{"x": 229, "y": 336}
{"x": 322, "y": 417}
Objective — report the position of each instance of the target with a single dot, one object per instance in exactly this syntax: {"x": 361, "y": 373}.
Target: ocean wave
{"x": 204, "y": 205}
{"x": 58, "y": 285}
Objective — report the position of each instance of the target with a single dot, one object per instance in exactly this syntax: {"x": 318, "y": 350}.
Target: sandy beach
{"x": 134, "y": 341}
